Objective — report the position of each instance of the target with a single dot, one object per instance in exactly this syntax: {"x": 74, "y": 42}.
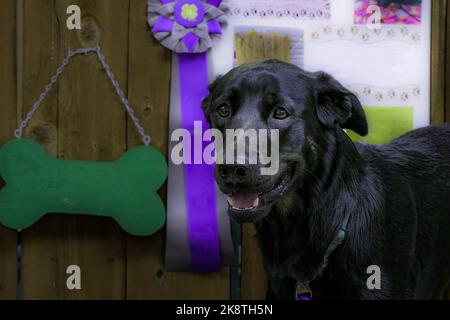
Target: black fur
{"x": 398, "y": 194}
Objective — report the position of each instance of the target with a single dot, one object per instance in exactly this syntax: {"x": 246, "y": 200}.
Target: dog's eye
{"x": 223, "y": 110}
{"x": 280, "y": 114}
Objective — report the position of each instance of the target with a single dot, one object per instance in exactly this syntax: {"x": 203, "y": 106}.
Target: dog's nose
{"x": 237, "y": 171}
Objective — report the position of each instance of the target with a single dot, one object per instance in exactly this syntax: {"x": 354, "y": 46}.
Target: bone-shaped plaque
{"x": 125, "y": 190}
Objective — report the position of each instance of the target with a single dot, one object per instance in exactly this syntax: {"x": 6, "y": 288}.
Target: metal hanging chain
{"x": 18, "y": 133}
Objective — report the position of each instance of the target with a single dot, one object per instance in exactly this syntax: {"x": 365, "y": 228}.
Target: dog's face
{"x": 301, "y": 106}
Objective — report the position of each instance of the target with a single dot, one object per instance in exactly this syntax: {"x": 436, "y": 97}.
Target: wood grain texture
{"x": 40, "y": 59}
{"x": 8, "y": 121}
{"x": 438, "y": 61}
{"x": 82, "y": 119}
{"x": 149, "y": 92}
{"x": 253, "y": 275}
{"x": 446, "y": 27}
{"x": 446, "y": 6}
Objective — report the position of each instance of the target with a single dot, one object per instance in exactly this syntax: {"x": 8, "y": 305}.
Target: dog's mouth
{"x": 244, "y": 203}
{"x": 243, "y": 200}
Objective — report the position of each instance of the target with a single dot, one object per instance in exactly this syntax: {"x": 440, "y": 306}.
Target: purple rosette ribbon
{"x": 188, "y": 28}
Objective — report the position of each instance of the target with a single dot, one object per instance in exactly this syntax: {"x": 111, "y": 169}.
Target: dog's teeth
{"x": 231, "y": 203}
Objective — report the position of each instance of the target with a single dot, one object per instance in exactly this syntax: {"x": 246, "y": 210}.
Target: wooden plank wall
{"x": 82, "y": 118}
{"x": 8, "y": 121}
{"x": 438, "y": 61}
{"x": 253, "y": 275}
{"x": 446, "y": 87}
{"x": 447, "y": 67}
{"x": 440, "y": 66}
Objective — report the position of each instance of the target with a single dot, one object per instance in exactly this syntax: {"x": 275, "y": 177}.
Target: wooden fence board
{"x": 8, "y": 121}
{"x": 438, "y": 53}
{"x": 90, "y": 126}
{"x": 447, "y": 69}
{"x": 446, "y": 8}
{"x": 253, "y": 275}
{"x": 39, "y": 259}
{"x": 149, "y": 89}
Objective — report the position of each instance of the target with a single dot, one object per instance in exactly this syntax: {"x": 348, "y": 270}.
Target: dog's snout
{"x": 233, "y": 171}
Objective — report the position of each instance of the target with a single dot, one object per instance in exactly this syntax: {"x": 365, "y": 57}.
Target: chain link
{"x": 18, "y": 133}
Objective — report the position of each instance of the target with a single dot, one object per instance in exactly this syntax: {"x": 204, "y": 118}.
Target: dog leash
{"x": 303, "y": 290}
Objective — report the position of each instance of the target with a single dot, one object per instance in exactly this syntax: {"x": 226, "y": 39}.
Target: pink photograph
{"x": 406, "y": 12}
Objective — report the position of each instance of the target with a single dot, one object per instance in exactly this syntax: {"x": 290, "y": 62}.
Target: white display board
{"x": 387, "y": 67}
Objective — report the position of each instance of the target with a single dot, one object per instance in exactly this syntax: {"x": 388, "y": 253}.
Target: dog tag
{"x": 303, "y": 291}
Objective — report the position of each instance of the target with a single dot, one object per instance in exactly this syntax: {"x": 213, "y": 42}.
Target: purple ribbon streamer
{"x": 200, "y": 188}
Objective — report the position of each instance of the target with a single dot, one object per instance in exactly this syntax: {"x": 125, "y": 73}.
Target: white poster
{"x": 382, "y": 55}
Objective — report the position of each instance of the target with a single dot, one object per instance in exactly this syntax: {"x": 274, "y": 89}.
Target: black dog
{"x": 395, "y": 197}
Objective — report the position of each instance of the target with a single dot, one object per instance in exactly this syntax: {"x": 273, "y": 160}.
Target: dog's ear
{"x": 337, "y": 106}
{"x": 207, "y": 102}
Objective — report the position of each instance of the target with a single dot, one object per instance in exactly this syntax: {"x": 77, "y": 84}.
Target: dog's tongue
{"x": 244, "y": 200}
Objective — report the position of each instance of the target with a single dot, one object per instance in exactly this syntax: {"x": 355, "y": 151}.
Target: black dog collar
{"x": 302, "y": 289}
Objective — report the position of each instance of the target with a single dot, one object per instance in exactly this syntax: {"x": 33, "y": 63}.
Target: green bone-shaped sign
{"x": 125, "y": 190}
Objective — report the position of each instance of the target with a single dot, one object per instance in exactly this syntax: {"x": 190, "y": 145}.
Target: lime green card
{"x": 385, "y": 124}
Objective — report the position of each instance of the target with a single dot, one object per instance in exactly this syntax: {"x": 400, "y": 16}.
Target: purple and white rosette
{"x": 188, "y": 28}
